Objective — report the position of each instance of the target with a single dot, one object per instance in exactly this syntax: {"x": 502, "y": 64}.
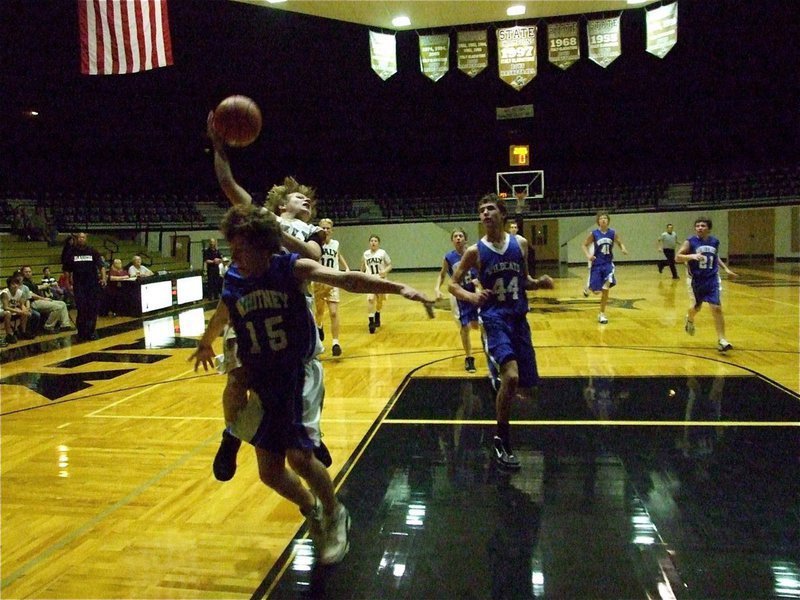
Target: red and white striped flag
{"x": 123, "y": 36}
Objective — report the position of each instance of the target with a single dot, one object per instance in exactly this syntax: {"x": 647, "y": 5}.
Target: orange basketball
{"x": 237, "y": 120}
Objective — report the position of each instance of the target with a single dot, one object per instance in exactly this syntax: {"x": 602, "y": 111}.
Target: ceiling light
{"x": 401, "y": 21}
{"x": 636, "y": 1}
{"x": 516, "y": 10}
{"x": 276, "y": 1}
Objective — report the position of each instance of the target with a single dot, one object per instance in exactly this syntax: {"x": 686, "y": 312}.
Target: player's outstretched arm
{"x": 311, "y": 249}
{"x": 354, "y": 281}
{"x": 204, "y": 354}
{"x": 235, "y": 193}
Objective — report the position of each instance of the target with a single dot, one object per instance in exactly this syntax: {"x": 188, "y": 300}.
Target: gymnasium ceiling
{"x": 425, "y": 14}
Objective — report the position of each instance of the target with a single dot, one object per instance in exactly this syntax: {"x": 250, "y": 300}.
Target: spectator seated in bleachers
{"x": 138, "y": 270}
{"x": 49, "y": 286}
{"x": 116, "y": 274}
{"x": 18, "y": 317}
{"x": 55, "y": 311}
{"x": 65, "y": 285}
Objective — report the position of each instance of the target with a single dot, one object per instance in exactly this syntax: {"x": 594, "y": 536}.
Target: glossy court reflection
{"x": 165, "y": 332}
{"x": 629, "y": 488}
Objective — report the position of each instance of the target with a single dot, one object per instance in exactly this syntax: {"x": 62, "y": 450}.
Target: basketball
{"x": 237, "y": 120}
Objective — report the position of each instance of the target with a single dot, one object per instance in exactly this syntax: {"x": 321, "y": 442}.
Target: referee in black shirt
{"x": 88, "y": 275}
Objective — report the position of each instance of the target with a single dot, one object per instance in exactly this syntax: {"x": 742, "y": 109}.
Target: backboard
{"x": 511, "y": 182}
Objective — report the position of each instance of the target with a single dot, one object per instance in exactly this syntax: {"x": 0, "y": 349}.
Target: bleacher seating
{"x": 139, "y": 211}
{"x": 15, "y": 253}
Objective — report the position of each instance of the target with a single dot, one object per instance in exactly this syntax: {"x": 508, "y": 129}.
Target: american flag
{"x": 123, "y": 36}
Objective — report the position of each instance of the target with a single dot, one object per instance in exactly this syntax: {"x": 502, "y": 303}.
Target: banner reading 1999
{"x": 516, "y": 55}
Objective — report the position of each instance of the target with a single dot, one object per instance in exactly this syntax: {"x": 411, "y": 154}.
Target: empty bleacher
{"x": 159, "y": 211}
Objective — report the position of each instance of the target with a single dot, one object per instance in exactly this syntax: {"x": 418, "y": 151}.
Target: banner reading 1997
{"x": 516, "y": 55}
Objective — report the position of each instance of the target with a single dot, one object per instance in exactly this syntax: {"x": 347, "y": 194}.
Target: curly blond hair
{"x": 278, "y": 195}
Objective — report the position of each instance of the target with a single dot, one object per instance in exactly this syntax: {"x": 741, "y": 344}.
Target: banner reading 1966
{"x": 516, "y": 55}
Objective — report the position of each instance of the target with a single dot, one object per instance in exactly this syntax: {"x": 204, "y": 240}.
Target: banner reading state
{"x": 604, "y": 40}
{"x": 434, "y": 55}
{"x": 383, "y": 53}
{"x": 516, "y": 55}
{"x": 563, "y": 49}
{"x": 662, "y": 29}
{"x": 472, "y": 49}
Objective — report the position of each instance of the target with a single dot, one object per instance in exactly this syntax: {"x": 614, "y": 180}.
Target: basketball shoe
{"x": 225, "y": 460}
{"x": 503, "y": 455}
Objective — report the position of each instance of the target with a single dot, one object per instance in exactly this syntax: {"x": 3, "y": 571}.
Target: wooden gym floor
{"x": 652, "y": 465}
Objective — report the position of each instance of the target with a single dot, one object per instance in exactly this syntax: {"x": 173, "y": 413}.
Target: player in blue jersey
{"x": 701, "y": 254}
{"x": 599, "y": 250}
{"x": 502, "y": 264}
{"x": 264, "y": 300}
{"x": 294, "y": 203}
{"x": 465, "y": 314}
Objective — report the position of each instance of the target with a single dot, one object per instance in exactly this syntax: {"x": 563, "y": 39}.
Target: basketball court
{"x": 652, "y": 465}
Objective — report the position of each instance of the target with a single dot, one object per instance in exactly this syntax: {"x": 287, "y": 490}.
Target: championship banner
{"x": 662, "y": 29}
{"x": 604, "y": 40}
{"x": 434, "y": 55}
{"x": 516, "y": 55}
{"x": 563, "y": 49}
{"x": 472, "y": 50}
{"x": 383, "y": 53}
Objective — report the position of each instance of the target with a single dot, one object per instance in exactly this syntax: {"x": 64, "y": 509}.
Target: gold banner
{"x": 662, "y": 29}
{"x": 563, "y": 46}
{"x": 604, "y": 40}
{"x": 472, "y": 49}
{"x": 434, "y": 55}
{"x": 383, "y": 54}
{"x": 516, "y": 55}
